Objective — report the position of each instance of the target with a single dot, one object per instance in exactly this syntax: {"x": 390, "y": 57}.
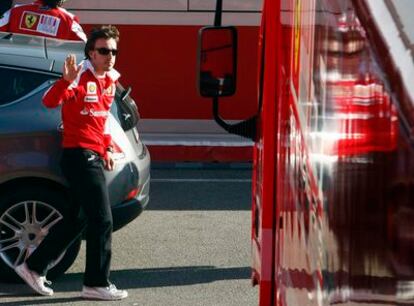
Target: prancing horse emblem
{"x": 30, "y": 20}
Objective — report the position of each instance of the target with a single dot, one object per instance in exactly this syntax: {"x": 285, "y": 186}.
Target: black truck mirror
{"x": 217, "y": 61}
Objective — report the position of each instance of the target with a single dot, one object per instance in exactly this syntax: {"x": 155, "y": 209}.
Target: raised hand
{"x": 70, "y": 68}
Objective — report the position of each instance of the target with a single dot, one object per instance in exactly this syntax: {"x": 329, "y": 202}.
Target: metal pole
{"x": 217, "y": 16}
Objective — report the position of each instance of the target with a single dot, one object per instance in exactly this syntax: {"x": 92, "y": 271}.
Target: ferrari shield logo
{"x": 30, "y": 20}
{"x": 110, "y": 91}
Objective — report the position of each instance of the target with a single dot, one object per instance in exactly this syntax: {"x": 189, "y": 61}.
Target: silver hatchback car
{"x": 33, "y": 192}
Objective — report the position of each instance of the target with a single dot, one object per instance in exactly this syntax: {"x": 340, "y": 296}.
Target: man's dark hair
{"x": 53, "y": 3}
{"x": 5, "y": 5}
{"x": 106, "y": 32}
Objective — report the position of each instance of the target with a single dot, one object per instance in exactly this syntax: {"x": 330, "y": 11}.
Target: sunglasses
{"x": 106, "y": 51}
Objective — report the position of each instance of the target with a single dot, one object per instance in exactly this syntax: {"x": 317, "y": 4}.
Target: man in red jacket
{"x": 42, "y": 18}
{"x": 86, "y": 92}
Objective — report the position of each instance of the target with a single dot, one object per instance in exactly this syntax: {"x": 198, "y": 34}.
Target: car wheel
{"x": 26, "y": 216}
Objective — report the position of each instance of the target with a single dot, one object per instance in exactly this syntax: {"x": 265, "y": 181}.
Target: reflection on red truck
{"x": 333, "y": 156}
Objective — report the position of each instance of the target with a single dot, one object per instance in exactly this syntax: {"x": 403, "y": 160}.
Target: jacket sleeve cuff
{"x": 107, "y": 141}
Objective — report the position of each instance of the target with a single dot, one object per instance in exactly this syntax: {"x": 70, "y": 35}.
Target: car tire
{"x": 20, "y": 233}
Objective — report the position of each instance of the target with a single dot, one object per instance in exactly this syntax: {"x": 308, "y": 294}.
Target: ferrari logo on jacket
{"x": 39, "y": 23}
{"x": 30, "y": 20}
{"x": 110, "y": 91}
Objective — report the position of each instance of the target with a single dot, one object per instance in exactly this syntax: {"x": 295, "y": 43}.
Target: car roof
{"x": 36, "y": 52}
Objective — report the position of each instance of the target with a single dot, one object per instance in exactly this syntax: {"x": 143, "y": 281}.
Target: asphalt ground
{"x": 190, "y": 247}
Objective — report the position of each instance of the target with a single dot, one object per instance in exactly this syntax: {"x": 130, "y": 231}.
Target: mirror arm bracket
{"x": 217, "y": 15}
{"x": 245, "y": 128}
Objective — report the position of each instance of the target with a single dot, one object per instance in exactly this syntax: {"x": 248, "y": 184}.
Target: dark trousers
{"x": 84, "y": 171}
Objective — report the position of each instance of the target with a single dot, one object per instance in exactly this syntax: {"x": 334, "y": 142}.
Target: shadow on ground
{"x": 128, "y": 279}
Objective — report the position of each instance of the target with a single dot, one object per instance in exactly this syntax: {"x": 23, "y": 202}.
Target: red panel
{"x": 205, "y": 154}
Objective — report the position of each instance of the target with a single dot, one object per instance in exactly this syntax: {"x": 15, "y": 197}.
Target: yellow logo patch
{"x": 30, "y": 20}
{"x": 91, "y": 88}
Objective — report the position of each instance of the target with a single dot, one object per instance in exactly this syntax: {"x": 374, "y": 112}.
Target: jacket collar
{"x": 112, "y": 74}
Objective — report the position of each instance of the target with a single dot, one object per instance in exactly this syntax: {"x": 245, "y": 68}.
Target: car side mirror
{"x": 217, "y": 61}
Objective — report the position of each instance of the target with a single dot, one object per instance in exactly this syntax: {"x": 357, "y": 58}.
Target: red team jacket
{"x": 36, "y": 19}
{"x": 86, "y": 103}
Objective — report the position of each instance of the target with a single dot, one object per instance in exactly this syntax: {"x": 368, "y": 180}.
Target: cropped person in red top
{"x": 42, "y": 18}
{"x": 86, "y": 92}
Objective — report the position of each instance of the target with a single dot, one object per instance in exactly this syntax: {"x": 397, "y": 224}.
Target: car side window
{"x": 127, "y": 109}
{"x": 16, "y": 83}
